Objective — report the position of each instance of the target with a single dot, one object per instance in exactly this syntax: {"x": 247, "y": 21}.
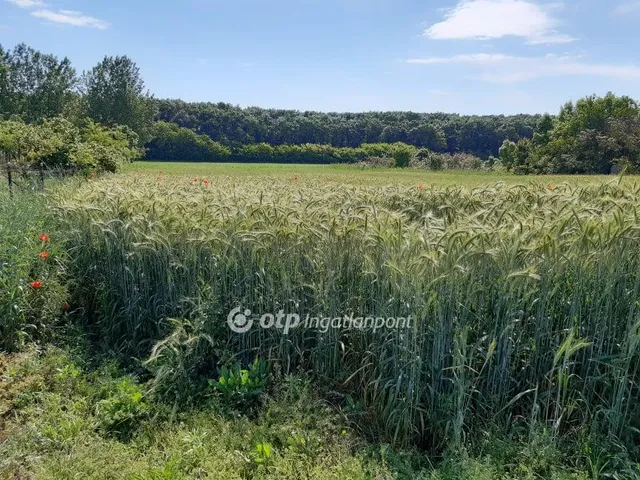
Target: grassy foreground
{"x": 523, "y": 362}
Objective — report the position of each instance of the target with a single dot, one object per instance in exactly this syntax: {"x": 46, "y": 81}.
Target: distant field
{"x": 358, "y": 175}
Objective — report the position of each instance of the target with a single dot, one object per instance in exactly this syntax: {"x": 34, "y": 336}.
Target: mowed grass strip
{"x": 351, "y": 174}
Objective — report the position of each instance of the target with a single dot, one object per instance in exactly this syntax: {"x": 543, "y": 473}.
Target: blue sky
{"x": 468, "y": 56}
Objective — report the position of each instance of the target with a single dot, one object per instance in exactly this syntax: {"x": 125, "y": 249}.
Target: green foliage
{"x": 108, "y": 147}
{"x": 178, "y": 360}
{"x": 261, "y": 453}
{"x": 508, "y": 154}
{"x": 51, "y": 434}
{"x": 469, "y": 261}
{"x": 423, "y": 154}
{"x": 65, "y": 421}
{"x": 6, "y": 104}
{"x": 114, "y": 94}
{"x": 34, "y": 85}
{"x": 57, "y": 143}
{"x": 234, "y": 126}
{"x": 122, "y": 410}
{"x": 402, "y": 156}
{"x": 242, "y": 388}
{"x": 436, "y": 162}
{"x": 446, "y": 161}
{"x": 594, "y": 135}
{"x": 173, "y": 142}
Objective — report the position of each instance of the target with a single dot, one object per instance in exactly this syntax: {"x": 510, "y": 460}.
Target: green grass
{"x": 355, "y": 175}
{"x": 27, "y": 313}
{"x": 51, "y": 428}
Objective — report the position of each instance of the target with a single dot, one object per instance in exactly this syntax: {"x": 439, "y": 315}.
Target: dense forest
{"x": 439, "y": 132}
{"x": 594, "y": 135}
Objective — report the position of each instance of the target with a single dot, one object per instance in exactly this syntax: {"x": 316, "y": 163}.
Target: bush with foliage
{"x": 56, "y": 143}
{"x": 120, "y": 412}
{"x": 171, "y": 142}
{"x": 402, "y": 156}
{"x": 594, "y": 135}
{"x": 181, "y": 144}
{"x": 241, "y": 388}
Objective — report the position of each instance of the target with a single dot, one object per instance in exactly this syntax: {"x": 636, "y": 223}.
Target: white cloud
{"x": 486, "y": 19}
{"x": 70, "y": 17}
{"x": 498, "y": 68}
{"x": 627, "y": 8}
{"x": 27, "y": 3}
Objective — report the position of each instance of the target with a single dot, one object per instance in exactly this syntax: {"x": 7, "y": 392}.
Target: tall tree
{"x": 5, "y": 91}
{"x": 35, "y": 85}
{"x": 590, "y": 136}
{"x": 115, "y": 94}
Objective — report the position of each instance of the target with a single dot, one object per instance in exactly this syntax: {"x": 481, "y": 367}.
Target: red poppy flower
{"x": 36, "y": 285}
{"x": 295, "y": 177}
{"x": 44, "y": 237}
{"x": 44, "y": 255}
{"x": 195, "y": 180}
{"x": 549, "y": 187}
{"x": 420, "y": 187}
{"x": 67, "y": 307}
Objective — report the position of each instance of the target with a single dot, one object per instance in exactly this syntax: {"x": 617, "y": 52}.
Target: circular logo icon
{"x": 238, "y": 320}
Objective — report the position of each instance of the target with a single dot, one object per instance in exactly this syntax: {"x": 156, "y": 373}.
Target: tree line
{"x": 439, "y": 132}
{"x": 593, "y": 135}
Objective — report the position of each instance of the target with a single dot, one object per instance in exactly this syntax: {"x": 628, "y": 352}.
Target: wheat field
{"x": 524, "y": 297}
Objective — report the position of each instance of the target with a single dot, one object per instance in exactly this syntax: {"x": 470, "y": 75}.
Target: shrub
{"x": 436, "y": 162}
{"x": 242, "y": 388}
{"x": 422, "y": 155}
{"x": 122, "y": 410}
{"x": 57, "y": 143}
{"x": 171, "y": 142}
{"x": 402, "y": 156}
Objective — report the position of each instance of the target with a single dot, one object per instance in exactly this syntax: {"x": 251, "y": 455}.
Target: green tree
{"x": 34, "y": 85}
{"x": 508, "y": 154}
{"x": 427, "y": 136}
{"x": 115, "y": 95}
{"x": 593, "y": 135}
{"x": 542, "y": 134}
{"x": 5, "y": 90}
{"x": 402, "y": 155}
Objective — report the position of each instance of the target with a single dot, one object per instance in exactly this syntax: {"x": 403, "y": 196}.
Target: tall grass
{"x": 27, "y": 313}
{"x": 525, "y": 297}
